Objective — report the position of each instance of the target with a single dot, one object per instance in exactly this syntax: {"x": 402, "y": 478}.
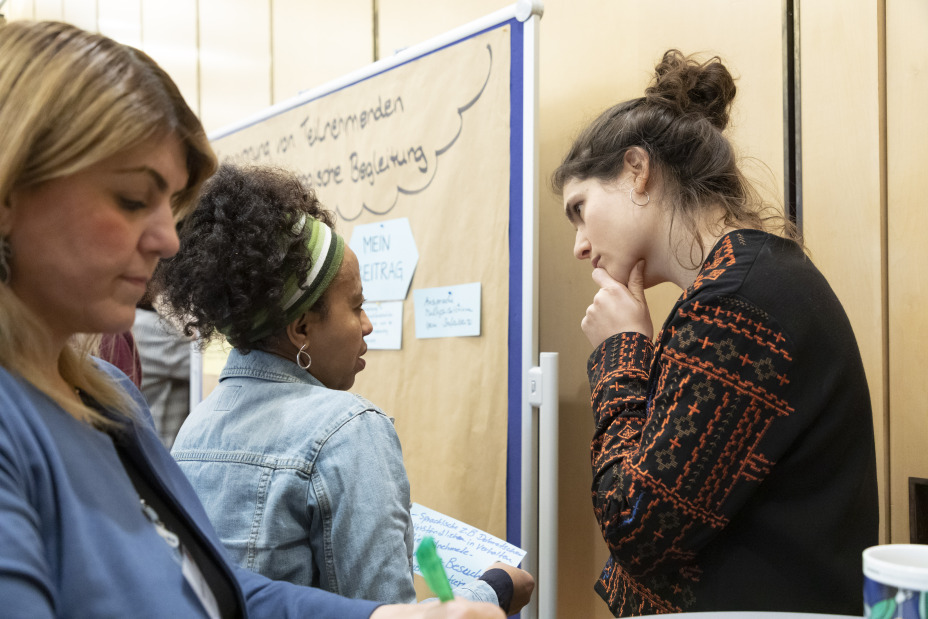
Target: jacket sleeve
{"x": 365, "y": 512}
{"x": 675, "y": 455}
{"x": 272, "y": 598}
{"x": 361, "y": 491}
{"x": 618, "y": 372}
{"x": 26, "y": 584}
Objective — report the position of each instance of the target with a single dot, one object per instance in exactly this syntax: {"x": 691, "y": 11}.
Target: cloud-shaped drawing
{"x": 364, "y": 145}
{"x": 417, "y": 167}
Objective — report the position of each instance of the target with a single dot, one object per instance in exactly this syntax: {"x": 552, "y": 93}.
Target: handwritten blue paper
{"x": 387, "y": 320}
{"x": 465, "y": 551}
{"x": 449, "y": 311}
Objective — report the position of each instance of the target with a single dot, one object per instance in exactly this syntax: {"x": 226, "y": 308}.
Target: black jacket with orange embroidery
{"x": 733, "y": 459}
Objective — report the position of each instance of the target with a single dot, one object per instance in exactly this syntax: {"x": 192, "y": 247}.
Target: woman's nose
{"x": 581, "y": 246}
{"x": 161, "y": 235}
{"x": 366, "y": 326}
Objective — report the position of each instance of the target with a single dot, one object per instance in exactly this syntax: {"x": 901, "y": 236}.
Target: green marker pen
{"x": 432, "y": 569}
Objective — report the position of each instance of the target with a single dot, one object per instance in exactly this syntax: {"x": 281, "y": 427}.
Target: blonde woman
{"x": 100, "y": 154}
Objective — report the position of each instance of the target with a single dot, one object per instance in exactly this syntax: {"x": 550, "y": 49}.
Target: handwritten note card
{"x": 387, "y": 319}
{"x": 465, "y": 551}
{"x": 449, "y": 311}
{"x": 387, "y": 257}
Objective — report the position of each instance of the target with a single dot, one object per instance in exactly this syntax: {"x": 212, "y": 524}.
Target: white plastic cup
{"x": 896, "y": 581}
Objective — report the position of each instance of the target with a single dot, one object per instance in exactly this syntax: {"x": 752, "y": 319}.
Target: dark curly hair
{"x": 238, "y": 249}
{"x": 679, "y": 122}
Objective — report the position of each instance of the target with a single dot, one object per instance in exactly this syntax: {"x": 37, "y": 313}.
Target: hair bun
{"x": 688, "y": 86}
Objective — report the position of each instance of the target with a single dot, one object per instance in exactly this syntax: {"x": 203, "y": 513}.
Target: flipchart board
{"x": 429, "y": 160}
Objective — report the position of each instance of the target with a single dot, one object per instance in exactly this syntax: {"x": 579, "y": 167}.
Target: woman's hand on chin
{"x": 616, "y": 307}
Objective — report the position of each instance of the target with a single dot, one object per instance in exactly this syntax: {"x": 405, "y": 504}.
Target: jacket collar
{"x": 267, "y": 366}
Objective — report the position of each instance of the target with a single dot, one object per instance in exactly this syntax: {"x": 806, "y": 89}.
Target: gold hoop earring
{"x": 631, "y": 196}
{"x": 299, "y": 359}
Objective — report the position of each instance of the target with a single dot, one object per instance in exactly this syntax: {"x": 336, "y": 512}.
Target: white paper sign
{"x": 387, "y": 319}
{"x": 387, "y": 256}
{"x": 465, "y": 551}
{"x": 449, "y": 311}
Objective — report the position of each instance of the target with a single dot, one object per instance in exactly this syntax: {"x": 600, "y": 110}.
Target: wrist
{"x": 501, "y": 582}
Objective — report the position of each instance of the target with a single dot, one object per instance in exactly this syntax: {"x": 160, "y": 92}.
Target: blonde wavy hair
{"x": 69, "y": 99}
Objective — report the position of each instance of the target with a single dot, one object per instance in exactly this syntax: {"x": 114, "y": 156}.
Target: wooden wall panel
{"x": 49, "y": 9}
{"x": 169, "y": 35}
{"x": 594, "y": 54}
{"x": 121, "y": 20}
{"x": 19, "y": 9}
{"x": 81, "y": 13}
{"x": 907, "y": 222}
{"x": 235, "y": 60}
{"x": 843, "y": 212}
{"x": 406, "y": 22}
{"x": 581, "y": 74}
{"x": 316, "y": 41}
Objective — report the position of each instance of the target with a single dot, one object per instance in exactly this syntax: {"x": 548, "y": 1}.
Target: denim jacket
{"x": 304, "y": 483}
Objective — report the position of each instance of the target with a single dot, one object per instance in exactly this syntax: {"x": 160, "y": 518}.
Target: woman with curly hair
{"x": 733, "y": 456}
{"x": 100, "y": 155}
{"x": 304, "y": 481}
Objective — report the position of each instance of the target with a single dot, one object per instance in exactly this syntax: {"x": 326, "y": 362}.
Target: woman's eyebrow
{"x": 569, "y": 207}
{"x": 160, "y": 183}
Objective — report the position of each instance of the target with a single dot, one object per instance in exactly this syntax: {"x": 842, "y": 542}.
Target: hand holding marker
{"x": 432, "y": 569}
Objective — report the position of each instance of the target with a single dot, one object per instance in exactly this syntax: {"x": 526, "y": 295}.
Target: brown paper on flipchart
{"x": 448, "y": 395}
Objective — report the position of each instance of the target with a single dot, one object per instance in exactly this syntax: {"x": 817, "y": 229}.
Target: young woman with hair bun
{"x": 733, "y": 455}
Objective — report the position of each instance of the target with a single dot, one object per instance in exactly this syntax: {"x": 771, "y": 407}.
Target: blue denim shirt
{"x": 304, "y": 483}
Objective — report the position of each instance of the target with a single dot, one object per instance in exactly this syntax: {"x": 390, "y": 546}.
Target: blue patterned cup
{"x": 896, "y": 581}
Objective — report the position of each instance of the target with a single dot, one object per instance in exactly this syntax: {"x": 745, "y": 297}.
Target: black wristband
{"x": 501, "y": 582}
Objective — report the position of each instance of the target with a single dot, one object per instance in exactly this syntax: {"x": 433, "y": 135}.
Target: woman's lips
{"x": 140, "y": 282}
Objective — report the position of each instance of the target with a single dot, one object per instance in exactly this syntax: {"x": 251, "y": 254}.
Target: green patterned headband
{"x": 326, "y": 249}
